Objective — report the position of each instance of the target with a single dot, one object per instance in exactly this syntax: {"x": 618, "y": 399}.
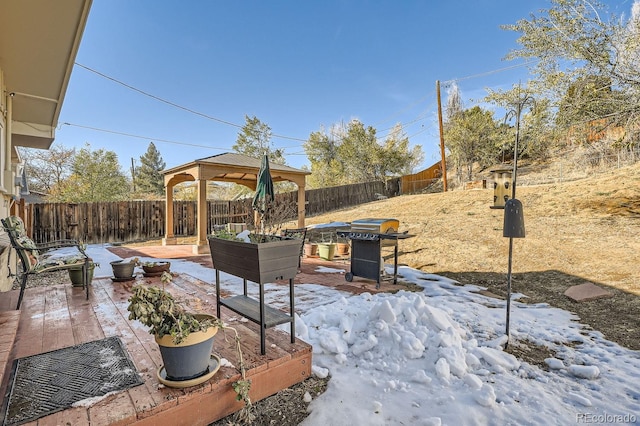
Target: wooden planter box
{"x": 260, "y": 263}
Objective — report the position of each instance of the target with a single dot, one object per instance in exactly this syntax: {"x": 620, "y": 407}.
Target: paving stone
{"x": 586, "y": 292}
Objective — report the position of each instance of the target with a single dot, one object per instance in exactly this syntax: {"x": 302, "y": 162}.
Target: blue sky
{"x": 296, "y": 65}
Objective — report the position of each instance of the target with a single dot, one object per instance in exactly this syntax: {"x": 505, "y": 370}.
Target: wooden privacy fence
{"x": 127, "y": 221}
{"x": 418, "y": 181}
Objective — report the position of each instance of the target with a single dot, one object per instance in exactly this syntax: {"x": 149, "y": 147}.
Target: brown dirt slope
{"x": 576, "y": 232}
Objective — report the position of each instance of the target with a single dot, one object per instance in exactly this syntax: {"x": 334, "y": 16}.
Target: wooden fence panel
{"x": 128, "y": 221}
{"x": 421, "y": 180}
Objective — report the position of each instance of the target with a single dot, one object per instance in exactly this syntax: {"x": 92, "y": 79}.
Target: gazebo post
{"x": 301, "y": 203}
{"x": 169, "y": 237}
{"x": 202, "y": 245}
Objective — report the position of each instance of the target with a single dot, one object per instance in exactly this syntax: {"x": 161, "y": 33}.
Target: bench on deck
{"x": 42, "y": 258}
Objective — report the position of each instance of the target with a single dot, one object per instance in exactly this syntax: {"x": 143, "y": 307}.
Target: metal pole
{"x": 515, "y": 151}
{"x": 521, "y": 103}
{"x": 133, "y": 174}
{"x": 509, "y": 290}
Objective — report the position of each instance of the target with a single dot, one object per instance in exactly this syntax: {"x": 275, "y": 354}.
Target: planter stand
{"x": 259, "y": 263}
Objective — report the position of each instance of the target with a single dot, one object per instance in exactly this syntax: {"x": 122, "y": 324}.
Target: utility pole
{"x": 133, "y": 175}
{"x": 443, "y": 160}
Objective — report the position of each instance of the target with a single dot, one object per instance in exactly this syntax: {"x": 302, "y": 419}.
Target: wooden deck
{"x": 58, "y": 316}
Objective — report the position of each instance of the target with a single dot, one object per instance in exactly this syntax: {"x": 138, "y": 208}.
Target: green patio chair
{"x": 41, "y": 258}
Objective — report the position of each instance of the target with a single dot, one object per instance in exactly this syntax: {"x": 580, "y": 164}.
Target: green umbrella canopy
{"x": 264, "y": 187}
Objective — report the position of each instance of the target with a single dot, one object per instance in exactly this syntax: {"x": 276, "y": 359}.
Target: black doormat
{"x": 46, "y": 383}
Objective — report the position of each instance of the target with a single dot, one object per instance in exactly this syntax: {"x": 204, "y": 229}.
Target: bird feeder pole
{"x": 513, "y": 215}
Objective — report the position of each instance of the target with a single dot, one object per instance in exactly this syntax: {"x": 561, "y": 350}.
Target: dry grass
{"x": 576, "y": 232}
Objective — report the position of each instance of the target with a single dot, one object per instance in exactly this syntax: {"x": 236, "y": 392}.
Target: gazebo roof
{"x": 232, "y": 167}
{"x": 227, "y": 167}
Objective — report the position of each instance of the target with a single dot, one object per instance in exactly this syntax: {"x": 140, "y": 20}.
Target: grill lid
{"x": 382, "y": 226}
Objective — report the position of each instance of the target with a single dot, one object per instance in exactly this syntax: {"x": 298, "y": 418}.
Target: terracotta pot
{"x": 310, "y": 249}
{"x": 157, "y": 269}
{"x": 342, "y": 249}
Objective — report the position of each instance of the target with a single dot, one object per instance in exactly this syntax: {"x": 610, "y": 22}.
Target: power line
{"x": 130, "y": 135}
{"x": 173, "y": 104}
{"x": 209, "y": 117}
{"x": 150, "y": 139}
{"x": 488, "y": 72}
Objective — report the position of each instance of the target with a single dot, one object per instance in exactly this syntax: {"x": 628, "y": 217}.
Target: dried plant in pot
{"x": 185, "y": 339}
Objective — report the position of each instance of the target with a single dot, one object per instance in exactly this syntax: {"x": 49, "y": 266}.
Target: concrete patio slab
{"x": 586, "y": 292}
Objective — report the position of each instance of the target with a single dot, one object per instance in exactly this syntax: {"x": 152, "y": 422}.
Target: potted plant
{"x": 75, "y": 274}
{"x": 123, "y": 269}
{"x": 327, "y": 249}
{"x": 342, "y": 247}
{"x": 263, "y": 260}
{"x": 185, "y": 339}
{"x": 174, "y": 328}
{"x": 260, "y": 257}
{"x": 155, "y": 268}
{"x": 310, "y": 249}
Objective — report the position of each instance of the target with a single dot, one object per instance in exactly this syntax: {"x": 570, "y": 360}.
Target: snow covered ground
{"x": 436, "y": 357}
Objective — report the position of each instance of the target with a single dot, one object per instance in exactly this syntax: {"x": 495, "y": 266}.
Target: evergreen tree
{"x": 254, "y": 140}
{"x": 148, "y": 176}
{"x": 472, "y": 136}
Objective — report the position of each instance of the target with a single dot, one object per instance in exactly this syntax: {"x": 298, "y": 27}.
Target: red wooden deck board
{"x": 138, "y": 341}
{"x": 30, "y": 337}
{"x": 60, "y": 316}
{"x": 84, "y": 323}
{"x": 57, "y": 329}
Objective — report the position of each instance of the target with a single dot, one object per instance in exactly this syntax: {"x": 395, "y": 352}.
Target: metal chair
{"x": 299, "y": 233}
{"x": 40, "y": 258}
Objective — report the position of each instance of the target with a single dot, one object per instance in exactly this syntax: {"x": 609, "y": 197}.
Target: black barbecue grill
{"x": 368, "y": 236}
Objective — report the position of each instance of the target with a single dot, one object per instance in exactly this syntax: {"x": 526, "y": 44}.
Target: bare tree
{"x": 47, "y": 169}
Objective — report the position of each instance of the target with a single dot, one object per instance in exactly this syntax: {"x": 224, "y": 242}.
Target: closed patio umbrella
{"x": 264, "y": 189}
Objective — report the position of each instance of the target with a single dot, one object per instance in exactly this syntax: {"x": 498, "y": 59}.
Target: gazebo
{"x": 227, "y": 167}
